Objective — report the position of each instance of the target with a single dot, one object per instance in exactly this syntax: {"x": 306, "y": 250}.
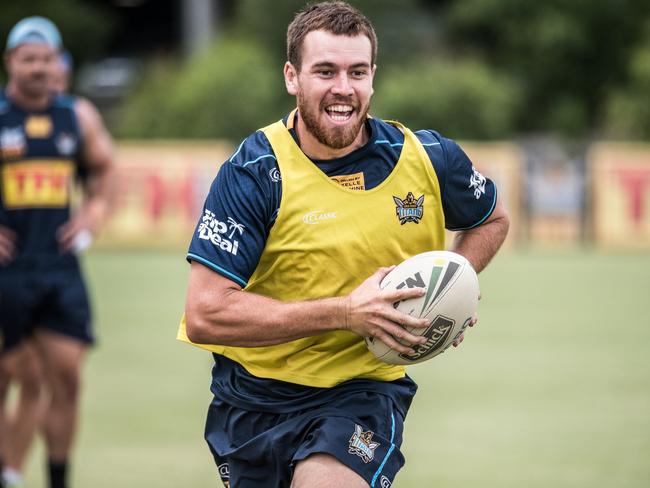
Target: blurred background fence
{"x": 554, "y": 199}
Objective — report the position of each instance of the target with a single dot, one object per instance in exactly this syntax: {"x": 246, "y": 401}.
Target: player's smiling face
{"x": 333, "y": 88}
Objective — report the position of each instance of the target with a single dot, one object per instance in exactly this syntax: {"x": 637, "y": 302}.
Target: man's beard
{"x": 337, "y": 137}
{"x": 34, "y": 86}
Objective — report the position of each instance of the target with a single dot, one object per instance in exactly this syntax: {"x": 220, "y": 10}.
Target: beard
{"x": 335, "y": 137}
{"x": 34, "y": 85}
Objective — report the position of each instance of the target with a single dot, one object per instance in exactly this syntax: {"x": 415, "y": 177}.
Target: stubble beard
{"x": 337, "y": 137}
{"x": 33, "y": 86}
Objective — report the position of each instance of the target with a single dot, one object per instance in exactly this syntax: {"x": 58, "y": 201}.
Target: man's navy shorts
{"x": 363, "y": 430}
{"x": 52, "y": 299}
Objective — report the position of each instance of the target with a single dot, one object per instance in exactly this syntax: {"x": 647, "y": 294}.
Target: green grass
{"x": 551, "y": 388}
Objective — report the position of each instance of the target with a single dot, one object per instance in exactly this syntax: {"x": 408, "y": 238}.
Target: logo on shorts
{"x": 361, "y": 444}
{"x": 217, "y": 232}
{"x": 224, "y": 474}
{"x": 384, "y": 482}
{"x": 409, "y": 209}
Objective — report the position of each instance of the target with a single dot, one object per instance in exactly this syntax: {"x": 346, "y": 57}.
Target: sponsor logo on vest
{"x": 213, "y": 230}
{"x": 361, "y": 444}
{"x": 409, "y": 209}
{"x": 352, "y": 182}
{"x": 317, "y": 216}
{"x": 477, "y": 182}
{"x": 37, "y": 183}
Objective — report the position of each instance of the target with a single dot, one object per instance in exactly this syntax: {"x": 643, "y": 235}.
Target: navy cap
{"x": 34, "y": 30}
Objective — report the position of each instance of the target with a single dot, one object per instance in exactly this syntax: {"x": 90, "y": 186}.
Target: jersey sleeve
{"x": 468, "y": 197}
{"x": 238, "y": 213}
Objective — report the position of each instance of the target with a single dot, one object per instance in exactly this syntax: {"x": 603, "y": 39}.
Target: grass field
{"x": 551, "y": 388}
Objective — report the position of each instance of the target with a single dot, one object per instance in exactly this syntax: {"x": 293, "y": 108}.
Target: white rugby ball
{"x": 449, "y": 304}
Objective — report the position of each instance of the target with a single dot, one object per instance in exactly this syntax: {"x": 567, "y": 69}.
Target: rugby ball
{"x": 450, "y": 303}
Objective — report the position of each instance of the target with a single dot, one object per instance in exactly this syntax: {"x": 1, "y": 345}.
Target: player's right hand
{"x": 7, "y": 245}
{"x": 370, "y": 313}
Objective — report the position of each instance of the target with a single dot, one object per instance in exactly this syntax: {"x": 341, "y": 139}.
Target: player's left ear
{"x": 291, "y": 78}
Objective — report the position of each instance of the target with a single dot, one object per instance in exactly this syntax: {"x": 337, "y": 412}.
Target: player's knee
{"x": 31, "y": 380}
{"x": 67, "y": 383}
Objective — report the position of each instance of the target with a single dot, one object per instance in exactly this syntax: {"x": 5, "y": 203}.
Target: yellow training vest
{"x": 326, "y": 240}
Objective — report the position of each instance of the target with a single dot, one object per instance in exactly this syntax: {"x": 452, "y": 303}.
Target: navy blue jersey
{"x": 246, "y": 193}
{"x": 39, "y": 163}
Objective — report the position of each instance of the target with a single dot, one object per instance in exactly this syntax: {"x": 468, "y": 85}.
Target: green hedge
{"x": 628, "y": 108}
{"x": 458, "y": 99}
{"x": 228, "y": 91}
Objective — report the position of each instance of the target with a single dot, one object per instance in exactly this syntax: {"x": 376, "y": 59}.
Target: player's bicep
{"x": 97, "y": 148}
{"x": 207, "y": 296}
{"x": 207, "y": 288}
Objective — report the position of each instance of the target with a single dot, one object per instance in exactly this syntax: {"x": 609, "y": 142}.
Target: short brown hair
{"x": 338, "y": 18}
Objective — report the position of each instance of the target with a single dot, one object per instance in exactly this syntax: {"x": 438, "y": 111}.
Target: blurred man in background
{"x": 61, "y": 73}
{"x": 47, "y": 141}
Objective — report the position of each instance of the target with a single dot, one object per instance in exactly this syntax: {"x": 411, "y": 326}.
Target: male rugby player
{"x": 298, "y": 230}
{"x": 46, "y": 142}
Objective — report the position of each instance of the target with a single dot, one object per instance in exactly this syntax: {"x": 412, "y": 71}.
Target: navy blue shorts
{"x": 54, "y": 299}
{"x": 362, "y": 430}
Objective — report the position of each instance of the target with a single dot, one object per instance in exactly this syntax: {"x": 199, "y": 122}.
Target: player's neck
{"x": 314, "y": 149}
{"x": 27, "y": 102}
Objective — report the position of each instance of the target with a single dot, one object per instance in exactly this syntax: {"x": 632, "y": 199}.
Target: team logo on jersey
{"x": 66, "y": 143}
{"x": 384, "y": 482}
{"x": 219, "y": 233}
{"x": 409, "y": 209}
{"x": 38, "y": 126}
{"x": 274, "y": 174}
{"x": 477, "y": 182}
{"x": 361, "y": 444}
{"x": 12, "y": 142}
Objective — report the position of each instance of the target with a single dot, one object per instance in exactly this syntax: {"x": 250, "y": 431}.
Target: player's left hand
{"x": 457, "y": 342}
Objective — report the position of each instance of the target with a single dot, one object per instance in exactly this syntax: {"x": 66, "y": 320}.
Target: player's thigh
{"x": 325, "y": 471}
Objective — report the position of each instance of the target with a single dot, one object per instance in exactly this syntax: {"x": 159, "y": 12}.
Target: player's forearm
{"x": 245, "y": 319}
{"x": 99, "y": 193}
{"x": 480, "y": 244}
